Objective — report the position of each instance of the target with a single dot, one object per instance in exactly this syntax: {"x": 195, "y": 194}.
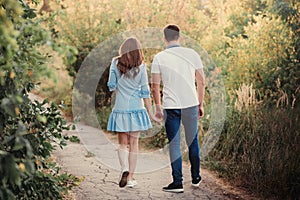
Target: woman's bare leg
{"x": 133, "y": 152}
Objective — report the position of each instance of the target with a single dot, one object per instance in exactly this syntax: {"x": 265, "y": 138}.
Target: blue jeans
{"x": 189, "y": 118}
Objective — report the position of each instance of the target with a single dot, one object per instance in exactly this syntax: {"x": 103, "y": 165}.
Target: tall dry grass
{"x": 259, "y": 147}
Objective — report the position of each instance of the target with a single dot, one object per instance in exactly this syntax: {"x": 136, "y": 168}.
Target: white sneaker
{"x": 131, "y": 183}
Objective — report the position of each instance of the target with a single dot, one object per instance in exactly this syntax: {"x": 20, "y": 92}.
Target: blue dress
{"x": 128, "y": 113}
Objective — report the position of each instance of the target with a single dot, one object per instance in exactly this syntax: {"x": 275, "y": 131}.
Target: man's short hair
{"x": 171, "y": 32}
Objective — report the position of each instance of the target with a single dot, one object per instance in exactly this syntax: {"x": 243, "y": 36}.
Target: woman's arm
{"x": 148, "y": 106}
{"x": 112, "y": 80}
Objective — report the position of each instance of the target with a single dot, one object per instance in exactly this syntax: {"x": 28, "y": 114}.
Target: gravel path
{"x": 95, "y": 158}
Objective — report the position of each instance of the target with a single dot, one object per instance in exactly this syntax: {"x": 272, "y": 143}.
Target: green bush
{"x": 29, "y": 130}
{"x": 257, "y": 43}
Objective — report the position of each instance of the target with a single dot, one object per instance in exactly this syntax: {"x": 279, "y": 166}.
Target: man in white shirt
{"x": 179, "y": 68}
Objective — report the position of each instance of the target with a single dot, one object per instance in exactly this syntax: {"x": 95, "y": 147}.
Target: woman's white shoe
{"x": 131, "y": 183}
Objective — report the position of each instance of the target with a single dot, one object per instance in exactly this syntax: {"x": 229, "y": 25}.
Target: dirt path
{"x": 95, "y": 159}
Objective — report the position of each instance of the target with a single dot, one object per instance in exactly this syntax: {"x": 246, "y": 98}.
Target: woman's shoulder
{"x": 142, "y": 68}
{"x": 143, "y": 65}
{"x": 115, "y": 60}
{"x": 114, "y": 63}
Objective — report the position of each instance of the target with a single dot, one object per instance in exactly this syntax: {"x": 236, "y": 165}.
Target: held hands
{"x": 158, "y": 116}
{"x": 159, "y": 113}
{"x": 158, "y": 120}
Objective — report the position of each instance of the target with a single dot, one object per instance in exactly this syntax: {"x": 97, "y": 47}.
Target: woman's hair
{"x": 130, "y": 57}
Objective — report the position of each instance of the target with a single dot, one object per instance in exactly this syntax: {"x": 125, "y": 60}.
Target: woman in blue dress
{"x": 128, "y": 78}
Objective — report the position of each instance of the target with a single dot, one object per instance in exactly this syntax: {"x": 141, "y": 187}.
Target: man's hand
{"x": 200, "y": 111}
{"x": 158, "y": 112}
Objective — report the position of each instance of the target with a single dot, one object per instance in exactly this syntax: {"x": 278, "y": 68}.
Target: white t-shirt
{"x": 177, "y": 66}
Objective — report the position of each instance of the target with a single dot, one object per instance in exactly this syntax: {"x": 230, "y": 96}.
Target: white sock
{"x": 123, "y": 157}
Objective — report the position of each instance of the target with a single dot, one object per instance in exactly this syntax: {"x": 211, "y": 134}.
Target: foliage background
{"x": 255, "y": 46}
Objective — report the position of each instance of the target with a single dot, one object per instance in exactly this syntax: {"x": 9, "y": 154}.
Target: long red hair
{"x": 130, "y": 57}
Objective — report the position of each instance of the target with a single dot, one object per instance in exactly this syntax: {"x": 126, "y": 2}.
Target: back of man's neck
{"x": 172, "y": 43}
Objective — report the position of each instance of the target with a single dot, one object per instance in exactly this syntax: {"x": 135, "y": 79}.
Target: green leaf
{"x": 8, "y": 106}
{"x": 22, "y": 130}
{"x": 74, "y": 139}
{"x": 19, "y": 99}
{"x": 63, "y": 143}
{"x": 18, "y": 145}
{"x": 29, "y": 166}
{"x": 11, "y": 170}
{"x": 42, "y": 119}
{"x": 3, "y": 153}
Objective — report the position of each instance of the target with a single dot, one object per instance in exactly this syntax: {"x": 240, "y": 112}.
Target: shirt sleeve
{"x": 113, "y": 79}
{"x": 145, "y": 91}
{"x": 155, "y": 69}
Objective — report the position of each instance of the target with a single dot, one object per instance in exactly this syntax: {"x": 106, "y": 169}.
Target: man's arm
{"x": 155, "y": 89}
{"x": 200, "y": 80}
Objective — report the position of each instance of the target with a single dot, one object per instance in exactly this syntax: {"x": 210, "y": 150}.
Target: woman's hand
{"x": 158, "y": 116}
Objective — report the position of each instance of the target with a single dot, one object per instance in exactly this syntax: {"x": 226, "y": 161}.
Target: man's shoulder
{"x": 183, "y": 51}
{"x": 174, "y": 49}
{"x": 160, "y": 53}
{"x": 187, "y": 50}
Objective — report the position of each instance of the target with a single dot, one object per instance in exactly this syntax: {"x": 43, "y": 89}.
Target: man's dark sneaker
{"x": 173, "y": 187}
{"x": 123, "y": 179}
{"x": 196, "y": 181}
